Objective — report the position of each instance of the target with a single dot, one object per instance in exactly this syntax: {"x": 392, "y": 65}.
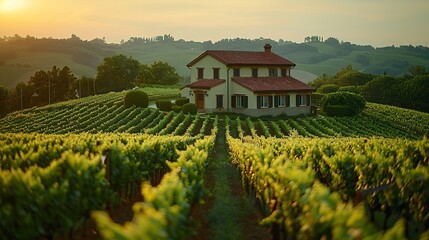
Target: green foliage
{"x": 189, "y": 108}
{"x": 164, "y": 105}
{"x": 160, "y": 73}
{"x": 407, "y": 92}
{"x": 117, "y": 73}
{"x": 176, "y": 108}
{"x": 182, "y": 101}
{"x": 354, "y": 101}
{"x": 354, "y": 78}
{"x": 352, "y": 89}
{"x": 137, "y": 98}
{"x": 165, "y": 74}
{"x": 339, "y": 111}
{"x": 4, "y": 97}
{"x": 328, "y": 88}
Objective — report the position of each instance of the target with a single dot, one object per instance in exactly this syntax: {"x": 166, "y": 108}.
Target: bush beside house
{"x": 189, "y": 108}
{"x": 136, "y": 97}
{"x": 182, "y": 101}
{"x": 164, "y": 105}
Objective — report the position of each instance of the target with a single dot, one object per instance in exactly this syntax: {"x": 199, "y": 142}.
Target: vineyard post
{"x": 105, "y": 159}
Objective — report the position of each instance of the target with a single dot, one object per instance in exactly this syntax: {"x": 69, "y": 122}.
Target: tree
{"x": 65, "y": 83}
{"x": 145, "y": 75}
{"x": 84, "y": 86}
{"x": 117, "y": 73}
{"x": 4, "y": 97}
{"x": 21, "y": 97}
{"x": 417, "y": 70}
{"x": 164, "y": 74}
{"x": 40, "y": 83}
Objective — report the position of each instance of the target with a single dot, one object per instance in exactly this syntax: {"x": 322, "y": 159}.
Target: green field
{"x": 182, "y": 176}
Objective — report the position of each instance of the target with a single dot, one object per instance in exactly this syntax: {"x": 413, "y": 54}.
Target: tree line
{"x": 116, "y": 73}
{"x": 407, "y": 91}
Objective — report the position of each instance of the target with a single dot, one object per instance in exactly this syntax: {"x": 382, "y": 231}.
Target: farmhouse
{"x": 252, "y": 83}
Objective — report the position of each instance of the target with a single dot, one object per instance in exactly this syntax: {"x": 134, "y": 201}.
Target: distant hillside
{"x": 21, "y": 57}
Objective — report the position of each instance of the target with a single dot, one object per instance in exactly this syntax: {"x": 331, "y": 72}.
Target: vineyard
{"x": 313, "y": 177}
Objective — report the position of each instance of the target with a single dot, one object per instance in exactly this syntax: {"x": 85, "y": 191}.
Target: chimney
{"x": 267, "y": 48}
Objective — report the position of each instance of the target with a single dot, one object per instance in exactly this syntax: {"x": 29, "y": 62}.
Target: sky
{"x": 365, "y": 22}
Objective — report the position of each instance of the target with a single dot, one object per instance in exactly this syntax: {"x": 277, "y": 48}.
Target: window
{"x": 216, "y": 73}
{"x": 200, "y": 73}
{"x": 236, "y": 72}
{"x": 284, "y": 72}
{"x": 280, "y": 101}
{"x": 264, "y": 101}
{"x": 254, "y": 72}
{"x": 239, "y": 101}
{"x": 219, "y": 101}
{"x": 273, "y": 72}
{"x": 303, "y": 100}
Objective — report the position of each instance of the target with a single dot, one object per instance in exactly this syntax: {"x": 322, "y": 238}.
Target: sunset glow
{"x": 377, "y": 23}
{"x": 11, "y": 5}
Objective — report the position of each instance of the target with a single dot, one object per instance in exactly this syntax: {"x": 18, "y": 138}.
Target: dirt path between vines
{"x": 228, "y": 213}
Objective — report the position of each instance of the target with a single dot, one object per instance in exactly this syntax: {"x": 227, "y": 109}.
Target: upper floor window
{"x": 216, "y": 73}
{"x": 284, "y": 72}
{"x": 254, "y": 72}
{"x": 236, "y": 72}
{"x": 200, "y": 73}
{"x": 273, "y": 72}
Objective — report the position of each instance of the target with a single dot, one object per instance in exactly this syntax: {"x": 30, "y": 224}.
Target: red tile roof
{"x": 237, "y": 58}
{"x": 272, "y": 84}
{"x": 206, "y": 83}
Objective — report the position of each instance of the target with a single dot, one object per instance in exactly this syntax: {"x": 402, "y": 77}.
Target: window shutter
{"x": 287, "y": 100}
{"x": 233, "y": 101}
{"x": 298, "y": 100}
{"x": 270, "y": 101}
{"x": 308, "y": 100}
{"x": 276, "y": 101}
{"x": 258, "y": 101}
{"x": 245, "y": 102}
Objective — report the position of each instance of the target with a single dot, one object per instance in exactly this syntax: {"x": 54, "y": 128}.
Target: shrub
{"x": 328, "y": 88}
{"x": 182, "y": 101}
{"x": 189, "y": 108}
{"x": 176, "y": 108}
{"x": 136, "y": 97}
{"x": 164, "y": 105}
{"x": 352, "y": 89}
{"x": 339, "y": 111}
{"x": 354, "y": 101}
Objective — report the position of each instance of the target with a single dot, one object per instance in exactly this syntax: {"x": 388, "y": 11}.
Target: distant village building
{"x": 252, "y": 83}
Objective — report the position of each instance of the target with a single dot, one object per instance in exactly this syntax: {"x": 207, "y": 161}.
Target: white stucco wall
{"x": 208, "y": 63}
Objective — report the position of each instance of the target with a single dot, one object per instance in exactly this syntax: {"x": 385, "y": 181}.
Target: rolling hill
{"x": 21, "y": 57}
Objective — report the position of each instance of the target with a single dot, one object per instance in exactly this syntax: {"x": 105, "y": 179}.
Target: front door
{"x": 200, "y": 100}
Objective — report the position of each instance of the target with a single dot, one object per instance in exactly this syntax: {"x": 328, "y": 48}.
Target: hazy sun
{"x": 11, "y": 5}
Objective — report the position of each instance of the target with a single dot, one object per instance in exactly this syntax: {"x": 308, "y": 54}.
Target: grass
{"x": 232, "y": 214}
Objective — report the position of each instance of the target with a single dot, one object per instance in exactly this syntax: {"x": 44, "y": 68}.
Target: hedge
{"x": 164, "y": 105}
{"x": 182, "y": 101}
{"x": 189, "y": 108}
{"x": 136, "y": 97}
